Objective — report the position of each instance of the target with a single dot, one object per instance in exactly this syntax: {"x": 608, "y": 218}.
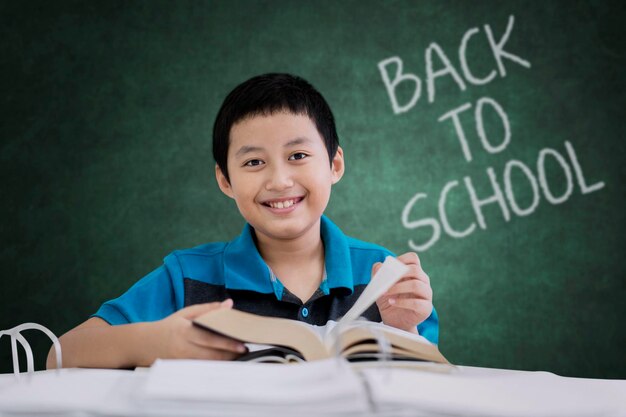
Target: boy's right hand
{"x": 177, "y": 338}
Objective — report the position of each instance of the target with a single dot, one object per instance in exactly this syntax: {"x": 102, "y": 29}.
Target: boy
{"x": 277, "y": 155}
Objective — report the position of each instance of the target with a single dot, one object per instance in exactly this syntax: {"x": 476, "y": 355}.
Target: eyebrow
{"x": 293, "y": 142}
{"x": 298, "y": 141}
{"x": 247, "y": 149}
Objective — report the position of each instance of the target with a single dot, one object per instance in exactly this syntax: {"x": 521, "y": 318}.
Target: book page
{"x": 418, "y": 346}
{"x": 391, "y": 272}
{"x": 252, "y": 328}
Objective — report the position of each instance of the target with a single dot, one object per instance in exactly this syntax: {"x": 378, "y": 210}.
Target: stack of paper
{"x": 498, "y": 393}
{"x": 236, "y": 388}
{"x": 330, "y": 388}
{"x": 68, "y": 392}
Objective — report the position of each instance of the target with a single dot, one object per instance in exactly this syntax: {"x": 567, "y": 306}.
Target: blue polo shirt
{"x": 235, "y": 269}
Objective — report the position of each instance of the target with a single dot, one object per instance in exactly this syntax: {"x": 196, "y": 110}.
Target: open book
{"x": 352, "y": 339}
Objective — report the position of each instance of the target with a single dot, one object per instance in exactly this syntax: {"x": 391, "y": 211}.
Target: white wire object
{"x": 16, "y": 336}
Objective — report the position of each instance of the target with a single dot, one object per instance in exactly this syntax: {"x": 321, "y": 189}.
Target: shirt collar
{"x": 245, "y": 269}
{"x": 337, "y": 257}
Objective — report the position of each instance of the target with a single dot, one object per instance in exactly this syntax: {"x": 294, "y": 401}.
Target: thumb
{"x": 376, "y": 267}
{"x": 195, "y": 310}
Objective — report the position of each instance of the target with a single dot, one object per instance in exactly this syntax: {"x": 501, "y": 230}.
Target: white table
{"x": 193, "y": 388}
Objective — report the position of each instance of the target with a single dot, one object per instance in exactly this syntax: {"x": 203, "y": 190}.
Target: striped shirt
{"x": 235, "y": 269}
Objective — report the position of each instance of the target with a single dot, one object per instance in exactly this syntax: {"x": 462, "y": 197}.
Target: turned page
{"x": 389, "y": 273}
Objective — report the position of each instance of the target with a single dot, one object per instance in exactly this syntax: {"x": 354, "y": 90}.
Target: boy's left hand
{"x": 409, "y": 301}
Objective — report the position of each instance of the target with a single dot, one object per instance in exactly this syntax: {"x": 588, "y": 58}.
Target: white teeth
{"x": 282, "y": 204}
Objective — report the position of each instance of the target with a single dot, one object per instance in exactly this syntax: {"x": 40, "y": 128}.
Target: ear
{"x": 337, "y": 166}
{"x": 223, "y": 183}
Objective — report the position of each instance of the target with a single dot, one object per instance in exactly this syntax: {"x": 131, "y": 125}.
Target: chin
{"x": 286, "y": 231}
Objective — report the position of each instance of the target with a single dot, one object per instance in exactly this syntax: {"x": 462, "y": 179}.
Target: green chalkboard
{"x": 488, "y": 136}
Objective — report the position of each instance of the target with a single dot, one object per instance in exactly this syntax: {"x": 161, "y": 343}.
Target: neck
{"x": 300, "y": 250}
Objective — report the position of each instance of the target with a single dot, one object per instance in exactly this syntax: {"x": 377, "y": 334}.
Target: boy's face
{"x": 280, "y": 175}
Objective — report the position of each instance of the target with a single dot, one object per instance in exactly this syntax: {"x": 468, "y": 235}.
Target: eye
{"x": 253, "y": 163}
{"x": 298, "y": 156}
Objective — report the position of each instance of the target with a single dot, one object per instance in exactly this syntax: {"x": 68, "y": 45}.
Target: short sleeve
{"x": 429, "y": 328}
{"x": 151, "y": 298}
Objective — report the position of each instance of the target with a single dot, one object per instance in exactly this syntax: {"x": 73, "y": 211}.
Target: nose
{"x": 279, "y": 178}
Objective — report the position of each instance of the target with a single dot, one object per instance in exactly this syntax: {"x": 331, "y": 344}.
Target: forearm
{"x": 104, "y": 346}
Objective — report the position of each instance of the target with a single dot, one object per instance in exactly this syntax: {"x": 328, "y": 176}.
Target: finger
{"x": 417, "y": 306}
{"x": 410, "y": 258}
{"x": 195, "y": 310}
{"x": 208, "y": 339}
{"x": 376, "y": 267}
{"x": 413, "y": 288}
{"x": 415, "y": 272}
{"x": 198, "y": 352}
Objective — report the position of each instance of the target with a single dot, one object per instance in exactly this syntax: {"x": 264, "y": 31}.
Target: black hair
{"x": 268, "y": 94}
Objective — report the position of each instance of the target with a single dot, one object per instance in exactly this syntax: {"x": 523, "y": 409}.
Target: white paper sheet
{"x": 499, "y": 393}
{"x": 63, "y": 392}
{"x": 250, "y": 385}
{"x": 389, "y": 273}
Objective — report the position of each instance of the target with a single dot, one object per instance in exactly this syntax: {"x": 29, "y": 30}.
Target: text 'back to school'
{"x": 555, "y": 177}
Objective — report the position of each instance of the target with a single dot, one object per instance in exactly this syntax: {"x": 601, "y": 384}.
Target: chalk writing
{"x": 503, "y": 197}
{"x": 480, "y": 126}
{"x": 446, "y": 68}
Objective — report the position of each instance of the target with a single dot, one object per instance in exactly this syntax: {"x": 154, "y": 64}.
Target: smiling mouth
{"x": 283, "y": 203}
